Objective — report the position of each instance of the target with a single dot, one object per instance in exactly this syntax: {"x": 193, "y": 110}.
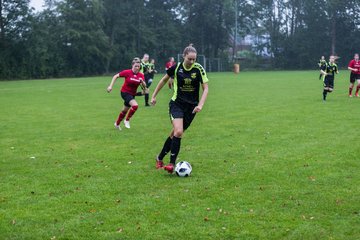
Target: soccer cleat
{"x": 159, "y": 164}
{"x": 169, "y": 168}
{"x": 357, "y": 94}
{"x": 350, "y": 95}
{"x": 117, "y": 126}
{"x": 127, "y": 124}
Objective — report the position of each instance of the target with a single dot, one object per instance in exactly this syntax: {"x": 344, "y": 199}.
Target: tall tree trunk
{"x": 2, "y": 27}
{"x": 333, "y": 34}
{"x": 108, "y": 60}
{"x": 220, "y": 24}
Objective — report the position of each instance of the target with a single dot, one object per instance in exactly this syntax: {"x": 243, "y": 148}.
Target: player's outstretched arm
{"x": 205, "y": 87}
{"x": 109, "y": 88}
{"x": 160, "y": 85}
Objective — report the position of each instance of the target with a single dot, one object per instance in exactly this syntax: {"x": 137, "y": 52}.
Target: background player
{"x": 133, "y": 78}
{"x": 322, "y": 64}
{"x": 188, "y": 77}
{"x": 168, "y": 65}
{"x": 329, "y": 72}
{"x": 144, "y": 69}
{"x": 354, "y": 67}
{"x": 151, "y": 72}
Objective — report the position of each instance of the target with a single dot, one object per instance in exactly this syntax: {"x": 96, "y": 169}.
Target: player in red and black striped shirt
{"x": 133, "y": 78}
{"x": 354, "y": 67}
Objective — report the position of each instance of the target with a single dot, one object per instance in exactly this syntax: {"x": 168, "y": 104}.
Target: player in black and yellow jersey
{"x": 144, "y": 69}
{"x": 149, "y": 77}
{"x": 329, "y": 72}
{"x": 321, "y": 64}
{"x": 188, "y": 77}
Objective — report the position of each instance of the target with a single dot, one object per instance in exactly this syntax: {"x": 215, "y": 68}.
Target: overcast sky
{"x": 37, "y": 4}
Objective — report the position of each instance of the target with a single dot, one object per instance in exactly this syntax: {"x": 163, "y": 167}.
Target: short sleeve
{"x": 171, "y": 70}
{"x": 124, "y": 73}
{"x": 203, "y": 75}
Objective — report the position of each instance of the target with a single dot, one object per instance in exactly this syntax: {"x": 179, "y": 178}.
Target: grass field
{"x": 270, "y": 160}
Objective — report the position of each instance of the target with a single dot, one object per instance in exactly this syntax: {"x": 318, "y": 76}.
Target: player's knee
{"x": 178, "y": 132}
{"x": 135, "y": 107}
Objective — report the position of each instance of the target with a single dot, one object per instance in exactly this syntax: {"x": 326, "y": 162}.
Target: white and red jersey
{"x": 169, "y": 65}
{"x": 132, "y": 81}
{"x": 355, "y": 64}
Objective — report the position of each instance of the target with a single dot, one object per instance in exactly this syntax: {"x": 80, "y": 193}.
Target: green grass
{"x": 270, "y": 161}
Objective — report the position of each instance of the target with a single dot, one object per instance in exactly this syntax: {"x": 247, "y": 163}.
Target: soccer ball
{"x": 183, "y": 169}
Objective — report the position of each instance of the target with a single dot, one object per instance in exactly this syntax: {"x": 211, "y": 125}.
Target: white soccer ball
{"x": 183, "y": 169}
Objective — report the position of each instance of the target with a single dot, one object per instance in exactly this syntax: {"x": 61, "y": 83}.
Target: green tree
{"x": 14, "y": 26}
{"x": 85, "y": 43}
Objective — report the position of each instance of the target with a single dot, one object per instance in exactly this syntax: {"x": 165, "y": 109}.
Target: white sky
{"x": 37, "y": 4}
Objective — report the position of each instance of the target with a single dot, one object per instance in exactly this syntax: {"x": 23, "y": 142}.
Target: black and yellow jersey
{"x": 187, "y": 82}
{"x": 151, "y": 70}
{"x": 331, "y": 69}
{"x": 322, "y": 63}
{"x": 144, "y": 67}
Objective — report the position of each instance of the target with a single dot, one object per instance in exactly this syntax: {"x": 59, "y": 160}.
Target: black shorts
{"x": 127, "y": 98}
{"x": 329, "y": 82}
{"x": 354, "y": 77}
{"x": 182, "y": 110}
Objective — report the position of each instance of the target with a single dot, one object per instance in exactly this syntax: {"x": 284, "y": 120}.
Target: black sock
{"x": 166, "y": 148}
{"x": 139, "y": 94}
{"x": 175, "y": 149}
{"x": 146, "y": 99}
{"x": 324, "y": 94}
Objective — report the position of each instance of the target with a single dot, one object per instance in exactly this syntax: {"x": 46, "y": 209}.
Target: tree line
{"x": 92, "y": 37}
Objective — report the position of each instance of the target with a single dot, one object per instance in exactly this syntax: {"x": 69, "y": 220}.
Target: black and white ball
{"x": 183, "y": 169}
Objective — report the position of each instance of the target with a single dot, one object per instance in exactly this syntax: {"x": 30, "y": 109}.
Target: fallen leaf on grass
{"x": 312, "y": 178}
{"x": 13, "y": 222}
{"x": 338, "y": 201}
{"x": 206, "y": 219}
{"x": 119, "y": 230}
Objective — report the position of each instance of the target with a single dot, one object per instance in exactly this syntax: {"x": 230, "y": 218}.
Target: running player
{"x": 322, "y": 64}
{"x": 144, "y": 69}
{"x": 133, "y": 78}
{"x": 188, "y": 77}
{"x": 168, "y": 65}
{"x": 329, "y": 72}
{"x": 151, "y": 72}
{"x": 354, "y": 67}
